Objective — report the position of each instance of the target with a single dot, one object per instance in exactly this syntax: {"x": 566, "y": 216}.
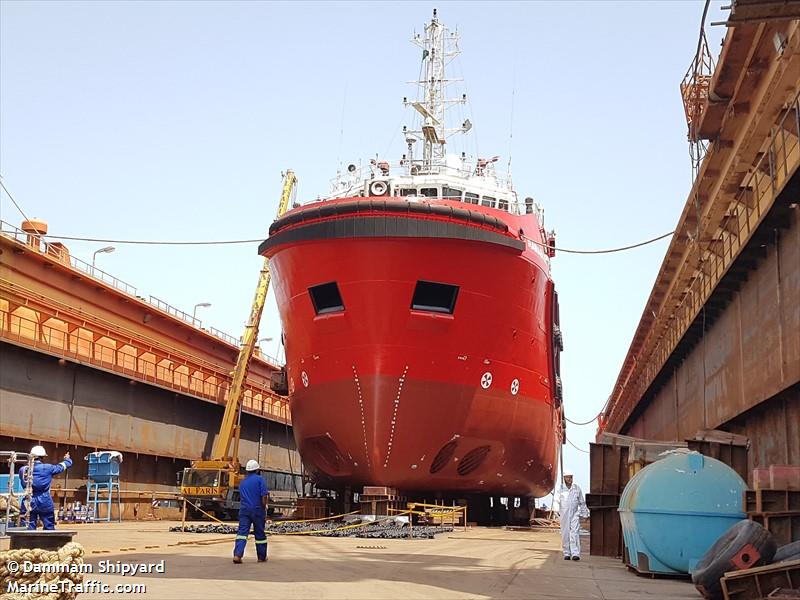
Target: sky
{"x": 175, "y": 120}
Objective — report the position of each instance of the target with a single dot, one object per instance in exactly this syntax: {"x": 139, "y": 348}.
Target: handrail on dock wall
{"x": 756, "y": 196}
{"x": 122, "y": 357}
{"x": 60, "y": 253}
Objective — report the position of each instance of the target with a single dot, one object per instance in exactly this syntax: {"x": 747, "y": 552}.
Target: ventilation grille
{"x": 444, "y": 456}
{"x": 473, "y": 459}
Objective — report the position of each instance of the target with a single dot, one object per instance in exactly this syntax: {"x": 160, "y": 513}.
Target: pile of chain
{"x": 62, "y": 560}
{"x": 381, "y": 530}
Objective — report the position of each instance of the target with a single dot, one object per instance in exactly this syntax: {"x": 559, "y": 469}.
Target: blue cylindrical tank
{"x": 673, "y": 510}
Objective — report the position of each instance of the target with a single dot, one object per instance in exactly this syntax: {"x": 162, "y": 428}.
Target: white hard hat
{"x": 38, "y": 451}
{"x": 568, "y": 474}
{"x": 252, "y": 465}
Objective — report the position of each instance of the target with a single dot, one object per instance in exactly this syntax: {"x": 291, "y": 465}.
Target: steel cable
{"x": 259, "y": 240}
{"x": 586, "y": 423}
{"x": 576, "y": 448}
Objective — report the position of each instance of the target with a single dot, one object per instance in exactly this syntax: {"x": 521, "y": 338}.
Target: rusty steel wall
{"x": 775, "y": 427}
{"x": 748, "y": 358}
{"x": 44, "y": 399}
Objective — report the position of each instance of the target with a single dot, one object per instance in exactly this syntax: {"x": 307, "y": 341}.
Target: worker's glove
{"x": 66, "y": 456}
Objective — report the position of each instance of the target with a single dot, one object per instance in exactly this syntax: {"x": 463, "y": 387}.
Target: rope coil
{"x": 68, "y": 559}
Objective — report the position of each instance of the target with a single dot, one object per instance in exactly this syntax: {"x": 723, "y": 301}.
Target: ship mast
{"x": 439, "y": 47}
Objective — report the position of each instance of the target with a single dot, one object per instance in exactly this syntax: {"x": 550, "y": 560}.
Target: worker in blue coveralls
{"x": 41, "y": 502}
{"x": 253, "y": 495}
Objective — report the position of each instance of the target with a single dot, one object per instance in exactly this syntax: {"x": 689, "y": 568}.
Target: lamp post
{"x": 200, "y": 305}
{"x": 106, "y": 250}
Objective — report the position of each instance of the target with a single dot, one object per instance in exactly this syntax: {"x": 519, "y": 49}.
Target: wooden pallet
{"x": 764, "y": 501}
{"x": 753, "y": 584}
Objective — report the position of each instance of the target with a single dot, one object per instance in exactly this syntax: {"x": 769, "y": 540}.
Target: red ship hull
{"x": 385, "y": 394}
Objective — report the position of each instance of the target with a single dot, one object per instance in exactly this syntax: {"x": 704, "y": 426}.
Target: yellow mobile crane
{"x": 213, "y": 484}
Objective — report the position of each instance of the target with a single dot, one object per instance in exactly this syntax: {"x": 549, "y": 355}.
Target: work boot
{"x": 566, "y": 558}
{"x": 237, "y": 560}
{"x": 576, "y": 558}
{"x": 263, "y": 559}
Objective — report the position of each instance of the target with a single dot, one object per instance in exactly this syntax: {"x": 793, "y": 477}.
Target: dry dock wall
{"x": 743, "y": 374}
{"x": 43, "y": 399}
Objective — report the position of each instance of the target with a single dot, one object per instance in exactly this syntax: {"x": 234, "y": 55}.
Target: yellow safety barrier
{"x": 442, "y": 510}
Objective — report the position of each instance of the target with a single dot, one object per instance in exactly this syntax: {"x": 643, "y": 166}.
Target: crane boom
{"x": 217, "y": 477}
{"x": 228, "y": 429}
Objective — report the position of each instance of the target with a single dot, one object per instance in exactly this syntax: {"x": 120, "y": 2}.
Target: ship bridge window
{"x": 408, "y": 192}
{"x": 470, "y": 197}
{"x": 326, "y": 298}
{"x": 503, "y": 204}
{"x": 487, "y": 201}
{"x": 451, "y": 193}
{"x": 435, "y": 297}
{"x": 429, "y": 192}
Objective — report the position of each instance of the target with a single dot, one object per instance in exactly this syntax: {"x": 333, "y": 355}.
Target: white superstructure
{"x": 427, "y": 170}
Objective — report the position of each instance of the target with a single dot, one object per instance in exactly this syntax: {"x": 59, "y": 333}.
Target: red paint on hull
{"x": 380, "y": 392}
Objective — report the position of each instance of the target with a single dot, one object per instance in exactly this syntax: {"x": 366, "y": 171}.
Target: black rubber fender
{"x": 789, "y": 551}
{"x": 321, "y": 210}
{"x": 558, "y": 339}
{"x": 745, "y": 545}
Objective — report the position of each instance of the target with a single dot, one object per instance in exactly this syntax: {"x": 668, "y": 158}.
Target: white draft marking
{"x": 363, "y": 420}
{"x": 394, "y": 416}
{"x": 515, "y": 387}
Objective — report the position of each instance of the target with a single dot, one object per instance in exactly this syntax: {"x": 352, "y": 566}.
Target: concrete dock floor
{"x": 479, "y": 563}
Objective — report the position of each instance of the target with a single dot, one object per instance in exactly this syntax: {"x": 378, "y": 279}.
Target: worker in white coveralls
{"x": 572, "y": 507}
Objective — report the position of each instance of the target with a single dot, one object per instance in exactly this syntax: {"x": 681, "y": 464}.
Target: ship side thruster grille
{"x": 443, "y": 457}
{"x": 473, "y": 459}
